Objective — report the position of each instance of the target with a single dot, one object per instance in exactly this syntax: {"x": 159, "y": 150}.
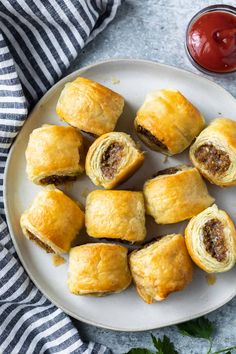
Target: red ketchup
{"x": 211, "y": 41}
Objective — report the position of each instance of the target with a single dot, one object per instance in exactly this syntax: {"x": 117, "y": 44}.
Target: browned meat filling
{"x": 167, "y": 171}
{"x": 54, "y": 179}
{"x": 213, "y": 238}
{"x": 111, "y": 160}
{"x": 214, "y": 160}
{"x": 47, "y": 248}
{"x": 151, "y": 137}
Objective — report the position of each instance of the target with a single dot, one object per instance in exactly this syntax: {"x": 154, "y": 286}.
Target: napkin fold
{"x": 38, "y": 41}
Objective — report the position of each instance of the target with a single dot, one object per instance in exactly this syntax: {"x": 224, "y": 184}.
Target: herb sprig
{"x": 198, "y": 328}
{"x": 162, "y": 346}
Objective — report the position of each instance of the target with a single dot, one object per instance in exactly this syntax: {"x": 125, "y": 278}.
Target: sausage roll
{"x": 176, "y": 194}
{"x": 161, "y": 268}
{"x": 211, "y": 240}
{"x": 116, "y": 214}
{"x": 89, "y": 106}
{"x": 54, "y": 155}
{"x": 112, "y": 158}
{"x": 168, "y": 122}
{"x": 98, "y": 269}
{"x": 214, "y": 152}
{"x": 52, "y": 221}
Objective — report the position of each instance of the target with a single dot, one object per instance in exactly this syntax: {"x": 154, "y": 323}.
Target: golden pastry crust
{"x": 167, "y": 117}
{"x": 90, "y": 106}
{"x": 214, "y": 152}
{"x": 116, "y": 214}
{"x": 112, "y": 158}
{"x": 161, "y": 268}
{"x": 175, "y": 197}
{"x": 54, "y": 152}
{"x": 98, "y": 269}
{"x": 211, "y": 240}
{"x": 53, "y": 220}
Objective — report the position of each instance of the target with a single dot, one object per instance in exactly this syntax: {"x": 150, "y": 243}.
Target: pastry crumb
{"x": 66, "y": 187}
{"x": 165, "y": 159}
{"x": 85, "y": 192}
{"x": 139, "y": 145}
{"x": 115, "y": 81}
{"x": 58, "y": 260}
{"x": 211, "y": 279}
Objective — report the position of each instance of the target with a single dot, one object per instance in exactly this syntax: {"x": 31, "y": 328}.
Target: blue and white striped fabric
{"x": 38, "y": 41}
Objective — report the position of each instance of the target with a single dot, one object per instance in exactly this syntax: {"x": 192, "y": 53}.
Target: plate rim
{"x": 7, "y": 208}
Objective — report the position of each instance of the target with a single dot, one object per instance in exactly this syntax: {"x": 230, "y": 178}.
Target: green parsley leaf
{"x": 139, "y": 351}
{"x": 164, "y": 345}
{"x": 199, "y": 328}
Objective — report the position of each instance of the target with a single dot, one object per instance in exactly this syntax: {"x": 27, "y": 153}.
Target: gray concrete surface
{"x": 155, "y": 30}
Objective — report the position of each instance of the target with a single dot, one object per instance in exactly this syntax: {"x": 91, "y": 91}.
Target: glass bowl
{"x": 213, "y": 8}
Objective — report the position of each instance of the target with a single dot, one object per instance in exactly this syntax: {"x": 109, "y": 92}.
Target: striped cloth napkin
{"x": 38, "y": 41}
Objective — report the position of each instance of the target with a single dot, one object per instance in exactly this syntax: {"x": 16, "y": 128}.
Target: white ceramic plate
{"x": 125, "y": 311}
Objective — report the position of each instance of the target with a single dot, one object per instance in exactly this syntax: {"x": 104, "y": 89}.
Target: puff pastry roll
{"x": 98, "y": 269}
{"x": 112, "y": 158}
{"x": 116, "y": 214}
{"x": 54, "y": 155}
{"x": 52, "y": 221}
{"x": 89, "y": 106}
{"x": 161, "y": 268}
{"x": 168, "y": 122}
{"x": 176, "y": 194}
{"x": 211, "y": 240}
{"x": 214, "y": 152}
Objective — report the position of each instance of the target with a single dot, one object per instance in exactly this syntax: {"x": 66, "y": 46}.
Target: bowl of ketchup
{"x": 211, "y": 39}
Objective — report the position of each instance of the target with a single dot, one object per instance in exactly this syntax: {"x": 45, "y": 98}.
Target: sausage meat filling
{"x": 167, "y": 171}
{"x": 40, "y": 243}
{"x": 214, "y": 160}
{"x": 111, "y": 159}
{"x": 56, "y": 179}
{"x": 213, "y": 238}
{"x": 151, "y": 137}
